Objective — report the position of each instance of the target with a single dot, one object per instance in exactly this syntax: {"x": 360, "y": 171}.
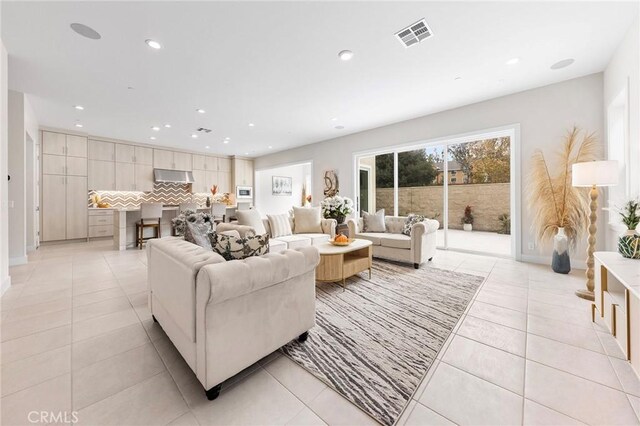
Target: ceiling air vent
{"x": 414, "y": 33}
{"x": 202, "y": 129}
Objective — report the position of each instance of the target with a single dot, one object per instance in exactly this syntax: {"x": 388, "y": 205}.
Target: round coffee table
{"x": 337, "y": 263}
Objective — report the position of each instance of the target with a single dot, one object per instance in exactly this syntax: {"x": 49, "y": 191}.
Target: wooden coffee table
{"x": 337, "y": 263}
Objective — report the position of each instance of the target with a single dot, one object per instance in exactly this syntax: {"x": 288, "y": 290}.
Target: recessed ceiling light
{"x": 79, "y": 107}
{"x": 251, "y": 124}
{"x": 153, "y": 44}
{"x": 207, "y": 147}
{"x": 562, "y": 64}
{"x": 226, "y": 141}
{"x": 227, "y": 138}
{"x": 200, "y": 110}
{"x": 270, "y": 147}
{"x": 339, "y": 127}
{"x": 153, "y": 138}
{"x": 85, "y": 31}
{"x": 334, "y": 119}
{"x": 513, "y": 61}
{"x": 246, "y": 153}
{"x": 194, "y": 136}
{"x": 168, "y": 126}
{"x": 155, "y": 128}
{"x": 345, "y": 55}
{"x": 78, "y": 125}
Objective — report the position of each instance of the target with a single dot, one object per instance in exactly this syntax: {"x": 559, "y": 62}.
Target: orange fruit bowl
{"x": 342, "y": 243}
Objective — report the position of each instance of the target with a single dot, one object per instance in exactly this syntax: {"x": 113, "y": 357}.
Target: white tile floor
{"x": 77, "y": 336}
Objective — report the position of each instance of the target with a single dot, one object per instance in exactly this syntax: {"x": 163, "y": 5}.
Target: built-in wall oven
{"x": 244, "y": 192}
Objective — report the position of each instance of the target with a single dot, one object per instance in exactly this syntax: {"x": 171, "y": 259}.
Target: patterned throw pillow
{"x": 231, "y": 247}
{"x": 198, "y": 233}
{"x": 411, "y": 220}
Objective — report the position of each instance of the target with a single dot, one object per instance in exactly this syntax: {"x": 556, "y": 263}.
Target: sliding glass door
{"x": 464, "y": 184}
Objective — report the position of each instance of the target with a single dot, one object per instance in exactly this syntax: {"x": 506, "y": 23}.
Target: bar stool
{"x": 218, "y": 212}
{"x": 150, "y": 216}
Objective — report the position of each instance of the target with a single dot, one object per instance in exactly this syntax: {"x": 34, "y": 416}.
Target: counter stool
{"x": 218, "y": 212}
{"x": 150, "y": 216}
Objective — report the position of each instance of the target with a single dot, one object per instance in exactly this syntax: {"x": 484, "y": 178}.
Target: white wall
{"x": 266, "y": 203}
{"x": 544, "y": 115}
{"x": 623, "y": 70}
{"x": 22, "y": 130}
{"x": 5, "y": 279}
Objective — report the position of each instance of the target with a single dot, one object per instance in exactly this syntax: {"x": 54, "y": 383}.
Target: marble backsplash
{"x": 165, "y": 193}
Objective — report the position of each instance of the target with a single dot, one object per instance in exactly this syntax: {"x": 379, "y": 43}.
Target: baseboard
{"x": 6, "y": 283}
{"x": 15, "y": 261}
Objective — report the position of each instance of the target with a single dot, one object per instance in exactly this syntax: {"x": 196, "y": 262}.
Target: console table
{"x": 617, "y": 299}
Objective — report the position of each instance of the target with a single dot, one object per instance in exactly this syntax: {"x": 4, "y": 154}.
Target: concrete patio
{"x": 478, "y": 241}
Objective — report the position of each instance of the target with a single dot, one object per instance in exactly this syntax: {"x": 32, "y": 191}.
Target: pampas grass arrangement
{"x": 553, "y": 201}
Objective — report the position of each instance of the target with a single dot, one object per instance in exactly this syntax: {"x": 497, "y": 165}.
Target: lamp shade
{"x": 598, "y": 173}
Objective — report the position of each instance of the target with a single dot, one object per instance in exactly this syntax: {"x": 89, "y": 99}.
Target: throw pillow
{"x": 251, "y": 218}
{"x": 307, "y": 220}
{"x": 374, "y": 222}
{"x": 232, "y": 247}
{"x": 279, "y": 224}
{"x": 411, "y": 220}
{"x": 198, "y": 233}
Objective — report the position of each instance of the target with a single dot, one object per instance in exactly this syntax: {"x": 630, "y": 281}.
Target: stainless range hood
{"x": 172, "y": 176}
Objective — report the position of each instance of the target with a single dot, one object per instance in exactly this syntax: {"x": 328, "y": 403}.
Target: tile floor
{"x": 77, "y": 336}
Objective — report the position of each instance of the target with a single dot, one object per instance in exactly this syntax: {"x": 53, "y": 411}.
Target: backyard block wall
{"x": 487, "y": 200}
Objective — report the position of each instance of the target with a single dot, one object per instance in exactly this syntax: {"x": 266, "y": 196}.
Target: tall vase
{"x": 561, "y": 263}
{"x": 629, "y": 244}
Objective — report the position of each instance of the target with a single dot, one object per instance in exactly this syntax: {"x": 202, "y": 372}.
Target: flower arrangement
{"x": 336, "y": 207}
{"x": 180, "y": 222}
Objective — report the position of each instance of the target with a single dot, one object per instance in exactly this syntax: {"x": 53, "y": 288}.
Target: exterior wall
{"x": 488, "y": 201}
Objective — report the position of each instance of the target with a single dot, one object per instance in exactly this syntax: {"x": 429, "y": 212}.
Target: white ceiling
{"x": 275, "y": 64}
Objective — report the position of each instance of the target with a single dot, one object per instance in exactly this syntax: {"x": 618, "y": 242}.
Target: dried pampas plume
{"x": 553, "y": 201}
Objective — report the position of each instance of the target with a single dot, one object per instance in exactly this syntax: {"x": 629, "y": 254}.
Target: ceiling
{"x": 275, "y": 64}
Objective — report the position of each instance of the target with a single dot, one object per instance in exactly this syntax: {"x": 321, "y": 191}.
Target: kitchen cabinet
{"x": 100, "y": 150}
{"x": 102, "y": 175}
{"x": 76, "y": 207}
{"x": 205, "y": 162}
{"x": 162, "y": 159}
{"x": 224, "y": 182}
{"x": 61, "y": 144}
{"x": 54, "y": 194}
{"x": 200, "y": 178}
{"x": 125, "y": 176}
{"x": 54, "y": 164}
{"x": 125, "y": 153}
{"x": 143, "y": 155}
{"x": 182, "y": 161}
{"x": 144, "y": 177}
{"x": 64, "y": 207}
{"x": 224, "y": 164}
{"x": 100, "y": 223}
{"x": 242, "y": 172}
{"x": 76, "y": 166}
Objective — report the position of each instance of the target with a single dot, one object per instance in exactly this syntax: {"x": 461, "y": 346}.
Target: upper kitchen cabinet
{"x": 172, "y": 160}
{"x": 162, "y": 159}
{"x": 61, "y": 144}
{"x": 100, "y": 150}
{"x": 102, "y": 175}
{"x": 125, "y": 153}
{"x": 182, "y": 161}
{"x": 205, "y": 162}
{"x": 242, "y": 172}
{"x": 143, "y": 155}
{"x": 224, "y": 164}
{"x": 76, "y": 146}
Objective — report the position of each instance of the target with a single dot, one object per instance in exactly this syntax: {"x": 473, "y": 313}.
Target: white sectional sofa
{"x": 394, "y": 245}
{"x": 224, "y": 316}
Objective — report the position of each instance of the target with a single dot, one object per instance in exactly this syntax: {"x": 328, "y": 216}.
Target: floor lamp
{"x": 593, "y": 174}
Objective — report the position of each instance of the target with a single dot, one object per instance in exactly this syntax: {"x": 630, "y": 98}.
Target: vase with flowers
{"x": 629, "y": 242}
{"x": 336, "y": 207}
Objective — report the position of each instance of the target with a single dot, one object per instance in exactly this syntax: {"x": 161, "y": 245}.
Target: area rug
{"x": 376, "y": 340}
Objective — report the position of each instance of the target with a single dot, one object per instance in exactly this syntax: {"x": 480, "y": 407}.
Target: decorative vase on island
{"x": 629, "y": 244}
{"x": 561, "y": 263}
{"x": 208, "y": 201}
{"x": 340, "y": 218}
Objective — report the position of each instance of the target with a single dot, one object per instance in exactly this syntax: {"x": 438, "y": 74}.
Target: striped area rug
{"x": 375, "y": 341}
